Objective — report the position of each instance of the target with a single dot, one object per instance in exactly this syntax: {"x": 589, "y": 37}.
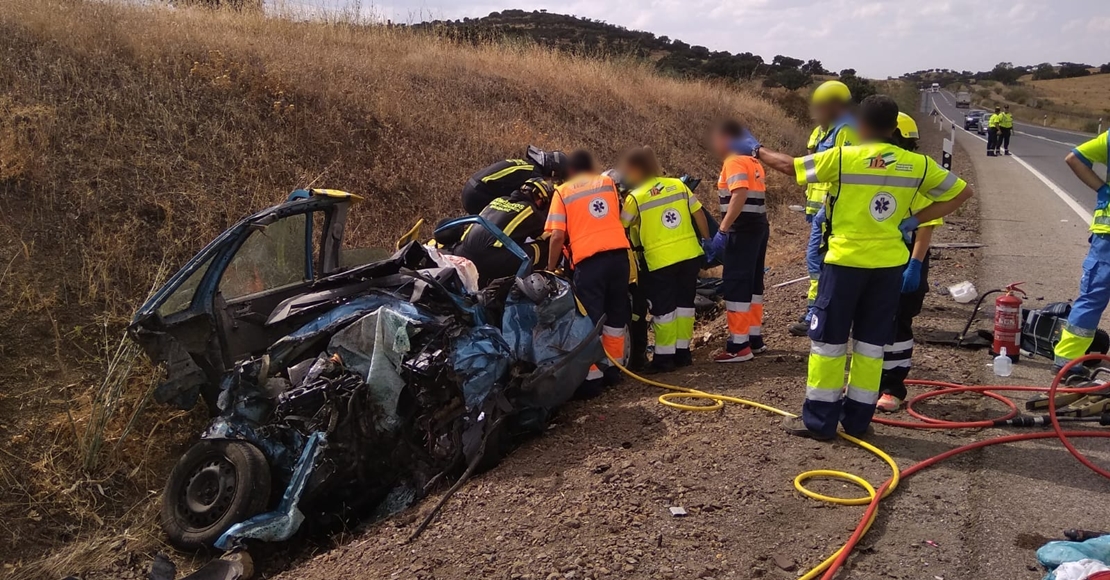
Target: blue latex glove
{"x": 717, "y": 246}
{"x": 1103, "y": 197}
{"x": 745, "y": 144}
{"x": 911, "y": 277}
{"x": 909, "y": 226}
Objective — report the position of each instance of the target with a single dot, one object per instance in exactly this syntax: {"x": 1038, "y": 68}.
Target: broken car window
{"x": 273, "y": 256}
{"x": 183, "y": 296}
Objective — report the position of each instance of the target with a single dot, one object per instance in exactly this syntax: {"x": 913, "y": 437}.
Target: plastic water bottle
{"x": 1003, "y": 366}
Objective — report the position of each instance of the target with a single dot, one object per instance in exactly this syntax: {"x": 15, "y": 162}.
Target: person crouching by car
{"x": 521, "y": 215}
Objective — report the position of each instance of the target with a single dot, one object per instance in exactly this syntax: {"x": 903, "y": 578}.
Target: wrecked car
{"x": 344, "y": 382}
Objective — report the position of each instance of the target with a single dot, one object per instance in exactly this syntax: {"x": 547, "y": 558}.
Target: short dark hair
{"x": 880, "y": 113}
{"x": 580, "y": 161}
{"x": 730, "y": 128}
{"x": 644, "y": 159}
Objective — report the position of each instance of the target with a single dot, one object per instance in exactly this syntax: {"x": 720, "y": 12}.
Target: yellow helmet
{"x": 832, "y": 92}
{"x": 907, "y": 126}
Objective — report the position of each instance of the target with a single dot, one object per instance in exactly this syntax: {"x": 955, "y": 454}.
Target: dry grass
{"x": 129, "y": 136}
{"x": 1076, "y": 103}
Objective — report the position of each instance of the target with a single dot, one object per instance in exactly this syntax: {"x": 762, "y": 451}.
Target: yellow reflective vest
{"x": 840, "y": 134}
{"x": 660, "y": 212}
{"x": 1005, "y": 120}
{"x": 1097, "y": 150}
{"x": 873, "y": 188}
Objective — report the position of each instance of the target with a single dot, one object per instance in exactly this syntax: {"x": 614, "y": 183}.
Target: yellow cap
{"x": 907, "y": 126}
{"x": 832, "y": 92}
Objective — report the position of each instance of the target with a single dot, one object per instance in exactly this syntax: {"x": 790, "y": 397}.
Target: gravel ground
{"x": 591, "y": 499}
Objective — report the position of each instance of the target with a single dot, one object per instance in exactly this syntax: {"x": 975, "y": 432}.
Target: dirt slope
{"x": 129, "y": 136}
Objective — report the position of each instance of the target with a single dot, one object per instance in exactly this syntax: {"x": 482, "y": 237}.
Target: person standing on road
{"x": 585, "y": 215}
{"x": 1094, "y": 286}
{"x": 897, "y": 355}
{"x": 741, "y": 244}
{"x": 666, "y": 220}
{"x": 875, "y": 186}
{"x": 1005, "y": 129}
{"x": 992, "y": 132}
{"x": 830, "y": 108}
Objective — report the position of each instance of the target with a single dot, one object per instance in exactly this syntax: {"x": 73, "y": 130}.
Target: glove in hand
{"x": 911, "y": 277}
{"x": 745, "y": 144}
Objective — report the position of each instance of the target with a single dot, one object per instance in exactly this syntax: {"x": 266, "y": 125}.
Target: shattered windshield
{"x": 272, "y": 257}
{"x": 183, "y": 296}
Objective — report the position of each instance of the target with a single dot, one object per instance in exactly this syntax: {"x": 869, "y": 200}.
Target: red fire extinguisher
{"x": 1007, "y": 322}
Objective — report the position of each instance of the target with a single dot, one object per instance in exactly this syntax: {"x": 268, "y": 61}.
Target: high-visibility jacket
{"x": 1005, "y": 120}
{"x": 994, "y": 120}
{"x": 516, "y": 215}
{"x": 874, "y": 187}
{"x": 840, "y": 134}
{"x": 504, "y": 177}
{"x": 744, "y": 172}
{"x": 587, "y": 208}
{"x": 661, "y": 213}
{"x": 1091, "y": 152}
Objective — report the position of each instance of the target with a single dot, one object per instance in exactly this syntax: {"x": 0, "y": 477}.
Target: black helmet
{"x": 553, "y": 163}
{"x": 540, "y": 190}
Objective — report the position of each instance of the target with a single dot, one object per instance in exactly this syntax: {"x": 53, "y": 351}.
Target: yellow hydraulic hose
{"x": 717, "y": 402}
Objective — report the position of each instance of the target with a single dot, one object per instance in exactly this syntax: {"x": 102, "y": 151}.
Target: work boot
{"x": 796, "y": 427}
{"x": 658, "y": 367}
{"x": 589, "y": 389}
{"x": 1008, "y": 153}
{"x": 683, "y": 358}
{"x": 889, "y": 403}
{"x": 990, "y": 153}
{"x": 638, "y": 360}
{"x": 612, "y": 376}
{"x": 870, "y": 430}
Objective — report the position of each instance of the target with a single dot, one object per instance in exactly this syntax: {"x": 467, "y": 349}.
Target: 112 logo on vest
{"x": 599, "y": 208}
{"x": 671, "y": 218}
{"x": 883, "y": 205}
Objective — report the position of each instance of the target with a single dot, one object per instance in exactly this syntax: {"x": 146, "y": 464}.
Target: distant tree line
{"x": 1006, "y": 73}
{"x": 671, "y": 57}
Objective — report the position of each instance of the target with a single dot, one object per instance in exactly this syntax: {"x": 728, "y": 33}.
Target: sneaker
{"x": 758, "y": 346}
{"x": 889, "y": 403}
{"x": 796, "y": 427}
{"x": 799, "y": 329}
{"x": 734, "y": 357}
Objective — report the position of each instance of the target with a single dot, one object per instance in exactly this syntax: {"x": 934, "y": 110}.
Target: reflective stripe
{"x": 737, "y": 306}
{"x": 686, "y": 312}
{"x": 693, "y": 203}
{"x": 948, "y": 183}
{"x": 740, "y": 339}
{"x": 612, "y": 331}
{"x": 507, "y": 171}
{"x": 826, "y": 349}
{"x": 756, "y": 331}
{"x": 738, "y": 177}
{"x": 895, "y": 364}
{"x": 556, "y": 217}
{"x": 594, "y": 374}
{"x": 814, "y": 205}
{"x": 867, "y": 349}
{"x": 748, "y": 208}
{"x": 665, "y": 318}
{"x": 811, "y": 169}
{"x": 724, "y": 208}
{"x": 664, "y": 349}
{"x": 683, "y": 343}
{"x": 899, "y": 346}
{"x": 823, "y": 395}
{"x": 881, "y": 180}
{"x": 862, "y": 395}
{"x": 571, "y": 198}
{"x": 757, "y": 194}
{"x": 627, "y": 217}
{"x": 757, "y": 299}
{"x": 662, "y": 201}
{"x": 1080, "y": 332}
{"x": 514, "y": 224}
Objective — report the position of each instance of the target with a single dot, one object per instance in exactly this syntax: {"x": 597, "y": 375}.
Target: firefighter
{"x": 522, "y": 216}
{"x": 897, "y": 355}
{"x": 741, "y": 244}
{"x": 666, "y": 220}
{"x": 1094, "y": 286}
{"x": 831, "y": 109}
{"x": 869, "y": 208}
{"x": 585, "y": 217}
{"x": 504, "y": 177}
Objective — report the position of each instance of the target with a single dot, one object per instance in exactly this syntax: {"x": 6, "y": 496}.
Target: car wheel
{"x": 214, "y": 486}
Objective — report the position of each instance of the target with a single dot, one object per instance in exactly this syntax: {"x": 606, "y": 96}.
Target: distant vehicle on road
{"x": 972, "y": 120}
{"x": 984, "y": 123}
{"x": 935, "y": 88}
{"x": 963, "y": 100}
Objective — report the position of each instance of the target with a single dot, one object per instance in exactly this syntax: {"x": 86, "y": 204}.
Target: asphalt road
{"x": 1041, "y": 148}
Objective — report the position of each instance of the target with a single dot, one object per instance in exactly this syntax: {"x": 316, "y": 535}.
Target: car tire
{"x": 215, "y": 485}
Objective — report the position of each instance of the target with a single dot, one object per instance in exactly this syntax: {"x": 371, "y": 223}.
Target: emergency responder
{"x": 992, "y": 132}
{"x": 741, "y": 244}
{"x": 1094, "y": 286}
{"x": 915, "y": 285}
{"x": 661, "y": 213}
{"x": 1005, "y": 129}
{"x": 831, "y": 102}
{"x": 504, "y": 177}
{"x": 874, "y": 186}
{"x": 522, "y": 216}
{"x": 585, "y": 215}
{"x": 638, "y": 322}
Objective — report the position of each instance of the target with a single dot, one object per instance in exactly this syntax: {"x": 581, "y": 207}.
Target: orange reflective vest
{"x": 588, "y": 209}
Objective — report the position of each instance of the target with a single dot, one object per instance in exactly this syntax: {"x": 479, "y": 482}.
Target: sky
{"x": 878, "y": 38}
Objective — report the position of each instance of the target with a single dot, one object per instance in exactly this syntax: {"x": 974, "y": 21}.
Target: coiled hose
{"x": 828, "y": 568}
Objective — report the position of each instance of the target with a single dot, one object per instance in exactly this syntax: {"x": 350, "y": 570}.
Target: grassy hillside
{"x": 129, "y": 136}
{"x": 1069, "y": 103}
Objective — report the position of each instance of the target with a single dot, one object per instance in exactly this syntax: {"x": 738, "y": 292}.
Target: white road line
{"x": 1065, "y": 143}
{"x": 1063, "y": 195}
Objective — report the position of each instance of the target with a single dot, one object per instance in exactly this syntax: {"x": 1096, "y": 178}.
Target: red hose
{"x": 930, "y": 423}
